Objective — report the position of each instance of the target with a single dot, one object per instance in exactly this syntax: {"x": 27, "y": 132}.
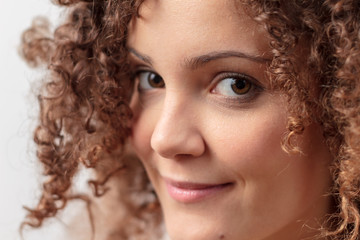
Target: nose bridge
{"x": 176, "y": 132}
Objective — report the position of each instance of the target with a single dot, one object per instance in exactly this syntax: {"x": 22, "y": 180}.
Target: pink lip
{"x": 187, "y": 192}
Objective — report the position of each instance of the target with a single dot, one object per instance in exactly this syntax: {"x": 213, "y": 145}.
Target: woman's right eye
{"x": 149, "y": 80}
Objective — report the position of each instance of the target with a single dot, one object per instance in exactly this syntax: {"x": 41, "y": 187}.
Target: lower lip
{"x": 186, "y": 195}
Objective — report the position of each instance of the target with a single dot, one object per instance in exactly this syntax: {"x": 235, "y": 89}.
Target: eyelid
{"x": 236, "y": 101}
{"x": 147, "y": 84}
{"x": 136, "y": 69}
{"x": 223, "y": 75}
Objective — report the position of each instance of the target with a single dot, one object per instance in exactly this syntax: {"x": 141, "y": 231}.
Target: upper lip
{"x": 192, "y": 185}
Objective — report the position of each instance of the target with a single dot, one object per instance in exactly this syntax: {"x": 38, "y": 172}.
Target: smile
{"x": 187, "y": 192}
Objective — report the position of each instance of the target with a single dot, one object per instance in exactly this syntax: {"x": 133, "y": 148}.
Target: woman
{"x": 243, "y": 114}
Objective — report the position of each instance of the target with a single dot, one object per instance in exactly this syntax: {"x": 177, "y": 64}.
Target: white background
{"x": 19, "y": 172}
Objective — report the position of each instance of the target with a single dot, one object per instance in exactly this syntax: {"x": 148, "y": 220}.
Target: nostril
{"x": 178, "y": 142}
{"x": 159, "y": 143}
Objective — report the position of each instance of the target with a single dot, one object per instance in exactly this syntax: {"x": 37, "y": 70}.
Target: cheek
{"x": 143, "y": 124}
{"x": 142, "y": 128}
{"x": 250, "y": 148}
{"x": 251, "y": 142}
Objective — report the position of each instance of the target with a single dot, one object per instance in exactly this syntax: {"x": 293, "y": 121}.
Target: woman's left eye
{"x": 234, "y": 86}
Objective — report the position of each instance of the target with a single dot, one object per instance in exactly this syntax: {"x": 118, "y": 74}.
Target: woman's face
{"x": 208, "y": 128}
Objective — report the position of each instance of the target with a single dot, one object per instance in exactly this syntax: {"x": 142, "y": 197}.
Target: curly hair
{"x": 85, "y": 115}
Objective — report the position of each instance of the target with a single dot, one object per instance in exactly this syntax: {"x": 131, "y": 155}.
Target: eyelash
{"x": 253, "y": 88}
{"x": 140, "y": 72}
{"x": 252, "y": 91}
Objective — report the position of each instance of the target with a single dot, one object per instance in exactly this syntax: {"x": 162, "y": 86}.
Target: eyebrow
{"x": 201, "y": 60}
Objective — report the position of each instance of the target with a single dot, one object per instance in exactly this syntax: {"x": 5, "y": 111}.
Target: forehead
{"x": 195, "y": 26}
{"x": 189, "y": 11}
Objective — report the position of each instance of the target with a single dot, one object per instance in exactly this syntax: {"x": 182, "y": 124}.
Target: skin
{"x": 195, "y": 129}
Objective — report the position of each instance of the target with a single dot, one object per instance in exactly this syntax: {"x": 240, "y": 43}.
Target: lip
{"x": 188, "y": 192}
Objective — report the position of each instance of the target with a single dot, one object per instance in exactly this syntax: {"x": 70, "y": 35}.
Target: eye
{"x": 149, "y": 80}
{"x": 233, "y": 86}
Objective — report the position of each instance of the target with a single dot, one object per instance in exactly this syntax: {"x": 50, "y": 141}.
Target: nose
{"x": 176, "y": 132}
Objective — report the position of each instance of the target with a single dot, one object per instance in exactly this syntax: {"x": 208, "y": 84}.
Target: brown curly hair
{"x": 84, "y": 115}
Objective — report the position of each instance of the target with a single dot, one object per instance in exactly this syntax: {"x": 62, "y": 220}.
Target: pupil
{"x": 240, "y": 84}
{"x": 155, "y": 80}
